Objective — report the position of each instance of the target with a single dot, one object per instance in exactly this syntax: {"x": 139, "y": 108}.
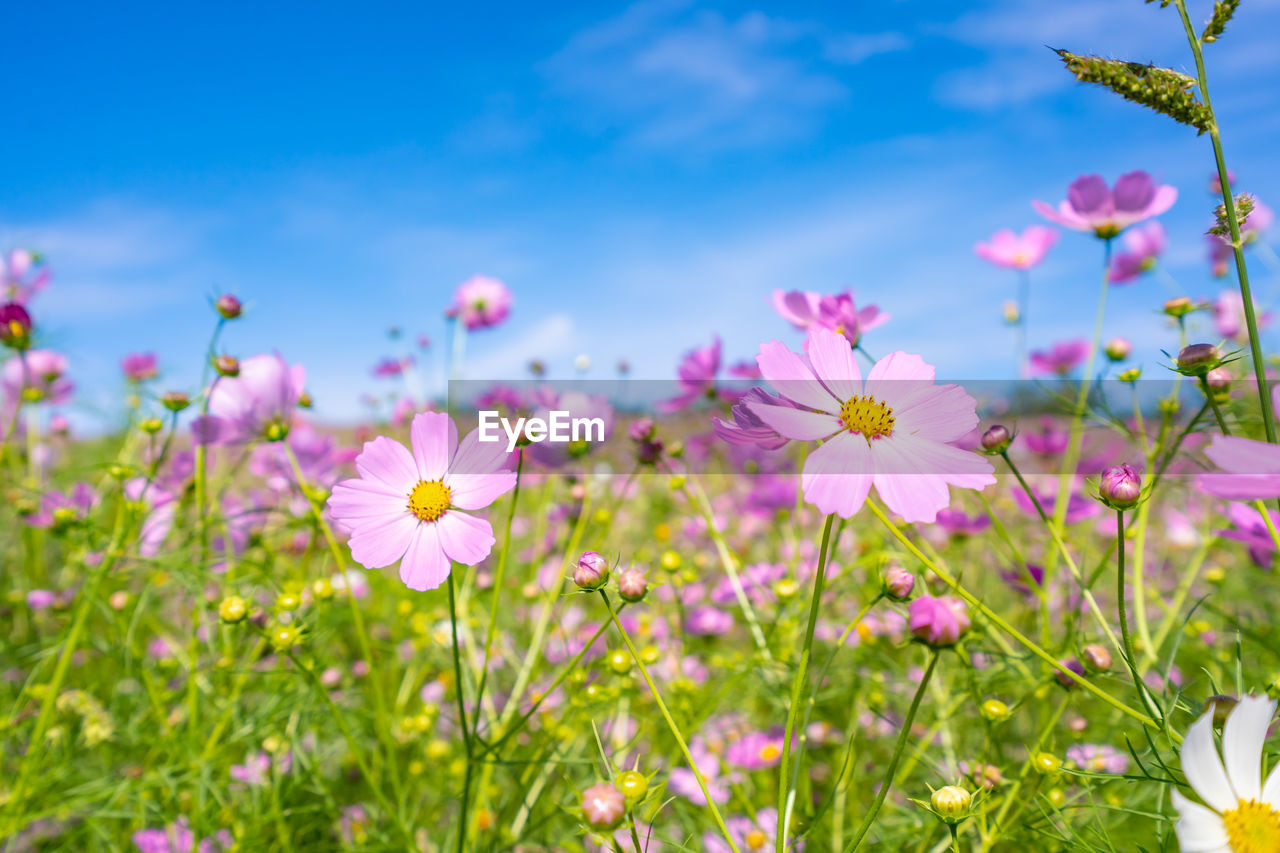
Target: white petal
{"x": 1271, "y": 790}
{"x": 1203, "y": 766}
{"x": 1200, "y": 830}
{"x": 1242, "y": 740}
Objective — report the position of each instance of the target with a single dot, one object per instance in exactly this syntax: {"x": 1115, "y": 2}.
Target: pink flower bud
{"x": 937, "y": 621}
{"x": 1118, "y": 349}
{"x": 898, "y": 583}
{"x": 1121, "y": 486}
{"x": 632, "y": 584}
{"x": 603, "y": 806}
{"x": 997, "y": 439}
{"x": 592, "y": 571}
{"x": 228, "y": 306}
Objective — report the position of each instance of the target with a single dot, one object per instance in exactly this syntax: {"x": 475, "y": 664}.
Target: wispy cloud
{"x": 664, "y": 74}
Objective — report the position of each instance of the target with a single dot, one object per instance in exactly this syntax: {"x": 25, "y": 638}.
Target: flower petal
{"x": 1200, "y": 830}
{"x": 1243, "y": 736}
{"x": 434, "y": 439}
{"x": 796, "y": 424}
{"x": 1203, "y": 767}
{"x": 379, "y": 544}
{"x": 465, "y": 538}
{"x": 390, "y": 462}
{"x": 793, "y": 378}
{"x": 838, "y": 475}
{"x": 832, "y": 359}
{"x": 425, "y": 565}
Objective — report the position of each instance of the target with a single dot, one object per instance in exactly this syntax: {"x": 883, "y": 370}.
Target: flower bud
{"x": 1197, "y": 359}
{"x": 1120, "y": 486}
{"x": 633, "y": 784}
{"x": 1179, "y": 306}
{"x": 951, "y": 802}
{"x": 151, "y": 426}
{"x": 228, "y": 306}
{"x": 996, "y": 439}
{"x": 175, "y": 401}
{"x": 1219, "y": 380}
{"x": 227, "y": 365}
{"x": 632, "y": 584}
{"x": 603, "y": 806}
{"x": 642, "y": 430}
{"x": 1047, "y": 763}
{"x": 1131, "y": 375}
{"x": 995, "y": 711}
{"x": 284, "y": 637}
{"x": 232, "y": 609}
{"x": 1012, "y": 314}
{"x": 938, "y": 621}
{"x": 1096, "y": 657}
{"x": 1072, "y": 665}
{"x": 1118, "y": 349}
{"x": 1222, "y": 706}
{"x": 15, "y": 326}
{"x": 898, "y": 583}
{"x": 592, "y": 571}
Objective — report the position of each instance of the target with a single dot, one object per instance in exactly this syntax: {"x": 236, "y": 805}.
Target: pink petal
{"x": 465, "y": 538}
{"x": 434, "y": 439}
{"x": 838, "y": 475}
{"x": 1236, "y": 455}
{"x": 790, "y": 376}
{"x": 356, "y": 501}
{"x": 832, "y": 359}
{"x": 480, "y": 457}
{"x": 425, "y": 565}
{"x": 797, "y": 307}
{"x": 940, "y": 412}
{"x": 797, "y": 424}
{"x": 380, "y": 544}
{"x": 388, "y": 461}
{"x": 477, "y": 491}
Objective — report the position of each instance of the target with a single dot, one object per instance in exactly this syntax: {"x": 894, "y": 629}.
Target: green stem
{"x": 498, "y": 577}
{"x": 785, "y": 793}
{"x": 462, "y": 717}
{"x": 1129, "y": 659}
{"x": 897, "y": 756}
{"x": 671, "y": 723}
{"x": 1233, "y": 224}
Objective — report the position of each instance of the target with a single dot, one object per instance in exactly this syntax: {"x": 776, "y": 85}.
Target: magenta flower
{"x": 256, "y": 770}
{"x": 578, "y": 405}
{"x": 747, "y": 428}
{"x": 38, "y": 376}
{"x": 408, "y": 506}
{"x": 57, "y": 508}
{"x": 683, "y": 781}
{"x": 837, "y": 312}
{"x": 177, "y": 837}
{"x": 257, "y": 404}
{"x": 749, "y": 834}
{"x": 696, "y": 377}
{"x": 139, "y": 366}
{"x": 1248, "y": 470}
{"x": 1142, "y": 246}
{"x": 1060, "y": 359}
{"x": 1098, "y": 758}
{"x": 938, "y": 621}
{"x": 895, "y": 430}
{"x": 1091, "y": 205}
{"x": 15, "y": 326}
{"x": 1010, "y": 250}
{"x": 392, "y": 366}
{"x": 481, "y": 302}
{"x": 1120, "y": 486}
{"x": 22, "y": 275}
{"x": 758, "y": 750}
{"x": 603, "y": 806}
{"x": 1228, "y": 316}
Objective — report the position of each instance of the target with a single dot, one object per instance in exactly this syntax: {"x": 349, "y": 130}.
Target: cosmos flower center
{"x": 769, "y": 752}
{"x": 756, "y": 839}
{"x": 430, "y": 499}
{"x": 868, "y": 416}
{"x": 1252, "y": 827}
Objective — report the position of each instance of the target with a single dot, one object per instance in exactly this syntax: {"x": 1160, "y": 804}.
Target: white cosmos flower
{"x": 1241, "y": 814}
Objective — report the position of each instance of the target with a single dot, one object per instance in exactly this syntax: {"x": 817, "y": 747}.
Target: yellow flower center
{"x": 1253, "y": 827}
{"x": 769, "y": 752}
{"x": 756, "y": 839}
{"x": 429, "y": 500}
{"x": 868, "y": 416}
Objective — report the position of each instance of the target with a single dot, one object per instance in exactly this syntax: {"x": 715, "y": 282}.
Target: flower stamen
{"x": 430, "y": 500}
{"x": 1252, "y": 827}
{"x": 868, "y": 417}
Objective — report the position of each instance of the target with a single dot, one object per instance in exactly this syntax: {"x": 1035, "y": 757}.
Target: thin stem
{"x": 1129, "y": 659}
{"x": 897, "y": 756}
{"x": 1213, "y": 402}
{"x": 797, "y": 686}
{"x": 671, "y": 723}
{"x": 462, "y": 717}
{"x": 1233, "y": 224}
{"x": 498, "y": 577}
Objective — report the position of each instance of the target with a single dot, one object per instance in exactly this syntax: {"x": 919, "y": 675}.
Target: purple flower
{"x": 57, "y": 508}
{"x": 22, "y": 275}
{"x": 139, "y": 366}
{"x": 1060, "y": 359}
{"x": 481, "y": 302}
{"x": 1142, "y": 246}
{"x": 1120, "y": 486}
{"x": 258, "y": 404}
{"x": 37, "y": 376}
{"x": 836, "y": 312}
{"x": 696, "y": 377}
{"x": 747, "y": 428}
{"x": 1091, "y": 205}
{"x": 938, "y": 621}
{"x": 706, "y": 621}
{"x": 1018, "y": 251}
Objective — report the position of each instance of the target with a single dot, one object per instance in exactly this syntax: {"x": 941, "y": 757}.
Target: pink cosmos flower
{"x": 257, "y": 767}
{"x": 1010, "y": 250}
{"x": 139, "y": 366}
{"x": 258, "y": 404}
{"x": 938, "y": 621}
{"x": 895, "y": 430}
{"x": 1098, "y": 758}
{"x": 39, "y": 375}
{"x": 1060, "y": 359}
{"x": 59, "y": 508}
{"x": 696, "y": 377}
{"x": 408, "y": 505}
{"x": 1248, "y": 470}
{"x": 22, "y": 275}
{"x": 578, "y": 405}
{"x": 1091, "y": 205}
{"x": 759, "y": 749}
{"x": 683, "y": 781}
{"x": 806, "y": 309}
{"x": 747, "y": 428}
{"x": 749, "y": 834}
{"x": 1228, "y": 315}
{"x": 392, "y": 366}
{"x": 481, "y": 302}
{"x": 177, "y": 837}
{"x": 1142, "y": 246}
{"x": 603, "y": 806}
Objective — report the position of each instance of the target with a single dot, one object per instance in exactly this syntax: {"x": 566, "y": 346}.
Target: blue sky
{"x": 641, "y": 175}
